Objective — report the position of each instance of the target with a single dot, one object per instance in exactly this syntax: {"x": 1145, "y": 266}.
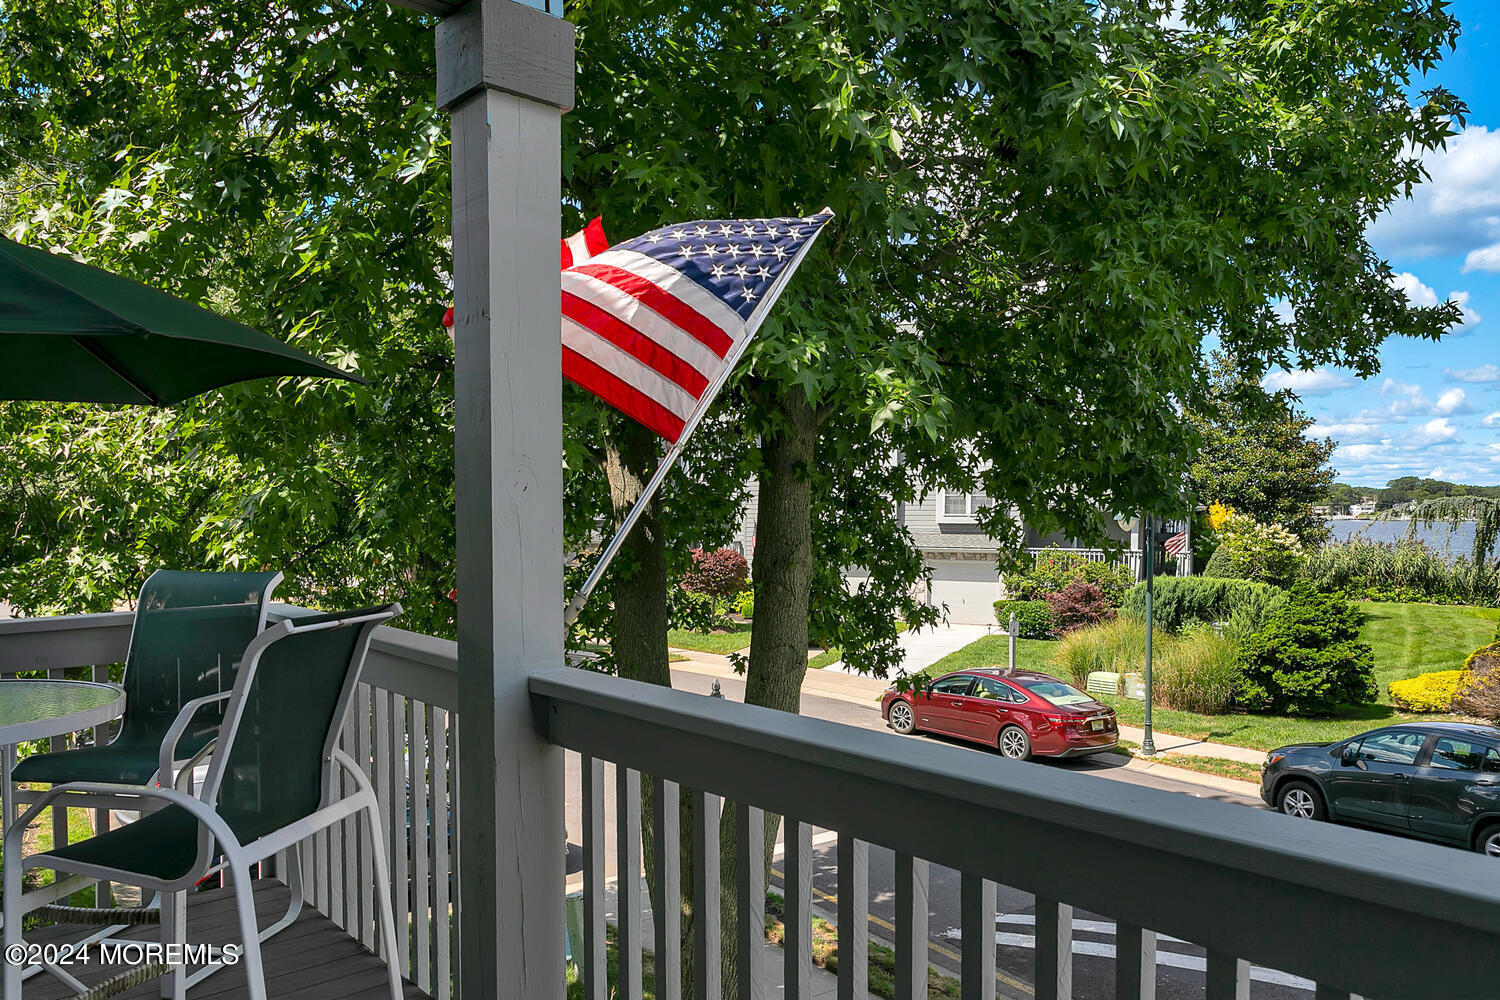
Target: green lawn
{"x": 722, "y": 643}
{"x": 1408, "y": 639}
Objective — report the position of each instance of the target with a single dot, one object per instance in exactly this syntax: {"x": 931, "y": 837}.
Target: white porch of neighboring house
{"x": 465, "y": 741}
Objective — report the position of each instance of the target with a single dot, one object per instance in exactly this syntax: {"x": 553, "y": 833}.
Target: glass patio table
{"x": 30, "y": 710}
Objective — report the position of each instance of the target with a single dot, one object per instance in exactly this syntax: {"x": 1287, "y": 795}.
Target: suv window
{"x": 952, "y": 686}
{"x": 1456, "y": 755}
{"x": 1392, "y": 748}
{"x": 988, "y": 687}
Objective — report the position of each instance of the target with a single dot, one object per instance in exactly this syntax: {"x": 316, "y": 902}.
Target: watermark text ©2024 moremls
{"x": 122, "y": 952}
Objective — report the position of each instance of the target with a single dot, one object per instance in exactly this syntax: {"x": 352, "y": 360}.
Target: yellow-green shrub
{"x": 1432, "y": 692}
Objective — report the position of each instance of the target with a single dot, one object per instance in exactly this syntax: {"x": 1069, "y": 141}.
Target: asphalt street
{"x": 1180, "y": 964}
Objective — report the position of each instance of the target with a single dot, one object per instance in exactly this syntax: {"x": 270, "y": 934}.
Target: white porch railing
{"x": 1353, "y": 911}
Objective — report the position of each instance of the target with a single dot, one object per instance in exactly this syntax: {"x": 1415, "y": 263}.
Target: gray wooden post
{"x": 505, "y": 72}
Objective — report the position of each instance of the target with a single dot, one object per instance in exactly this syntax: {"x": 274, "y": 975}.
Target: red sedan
{"x": 1023, "y": 713}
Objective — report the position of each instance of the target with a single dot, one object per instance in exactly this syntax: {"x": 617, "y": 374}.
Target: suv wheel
{"x": 1299, "y": 799}
{"x": 900, "y": 717}
{"x": 1488, "y": 842}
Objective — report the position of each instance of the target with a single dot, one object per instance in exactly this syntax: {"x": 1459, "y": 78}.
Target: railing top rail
{"x": 1247, "y": 882}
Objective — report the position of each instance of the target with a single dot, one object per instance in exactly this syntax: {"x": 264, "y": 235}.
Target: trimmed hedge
{"x": 1432, "y": 692}
{"x": 1308, "y": 659}
{"x": 1033, "y": 619}
{"x": 1179, "y": 601}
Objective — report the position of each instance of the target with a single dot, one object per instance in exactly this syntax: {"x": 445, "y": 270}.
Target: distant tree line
{"x": 1405, "y": 490}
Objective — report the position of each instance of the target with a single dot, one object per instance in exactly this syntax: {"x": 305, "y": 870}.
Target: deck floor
{"x": 314, "y": 959}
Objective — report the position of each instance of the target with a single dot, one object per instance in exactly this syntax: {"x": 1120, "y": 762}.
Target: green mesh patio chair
{"x": 190, "y": 631}
{"x": 272, "y": 782}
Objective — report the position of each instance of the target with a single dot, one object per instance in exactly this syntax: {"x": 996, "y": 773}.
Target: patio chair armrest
{"x": 200, "y": 810}
{"x": 187, "y": 769}
{"x": 165, "y": 776}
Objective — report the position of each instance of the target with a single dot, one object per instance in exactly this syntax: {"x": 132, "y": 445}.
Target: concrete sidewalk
{"x": 1167, "y": 743}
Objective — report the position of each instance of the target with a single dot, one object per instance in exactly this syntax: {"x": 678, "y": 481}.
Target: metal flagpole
{"x": 575, "y": 606}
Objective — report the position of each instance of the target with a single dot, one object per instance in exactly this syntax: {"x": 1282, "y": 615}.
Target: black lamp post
{"x": 1148, "y": 536}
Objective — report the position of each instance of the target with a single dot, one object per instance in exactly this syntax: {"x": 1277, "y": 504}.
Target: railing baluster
{"x": 628, "y": 879}
{"x": 348, "y": 832}
{"x": 1228, "y": 977}
{"x": 421, "y": 872}
{"x": 399, "y": 762}
{"x": 667, "y": 838}
{"x": 911, "y": 927}
{"x": 103, "y": 891}
{"x": 750, "y": 883}
{"x": 455, "y": 946}
{"x": 366, "y": 860}
{"x": 854, "y": 917}
{"x": 707, "y": 983}
{"x": 596, "y": 983}
{"x": 1135, "y": 963}
{"x": 442, "y": 920}
{"x": 1054, "y": 950}
{"x": 381, "y": 761}
{"x": 797, "y": 881}
{"x": 976, "y": 906}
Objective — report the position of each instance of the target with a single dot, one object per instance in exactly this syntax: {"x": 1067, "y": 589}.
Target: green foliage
{"x": 1484, "y": 511}
{"x": 1402, "y": 571}
{"x": 1078, "y": 605}
{"x": 1254, "y": 456}
{"x": 691, "y": 611}
{"x": 1433, "y": 692}
{"x": 744, "y": 603}
{"x": 1249, "y": 550}
{"x": 1053, "y": 569}
{"x": 1309, "y": 658}
{"x": 1179, "y": 601}
{"x": 1196, "y": 671}
{"x": 1033, "y": 619}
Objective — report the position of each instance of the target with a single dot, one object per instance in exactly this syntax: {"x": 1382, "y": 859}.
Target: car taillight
{"x": 1058, "y": 720}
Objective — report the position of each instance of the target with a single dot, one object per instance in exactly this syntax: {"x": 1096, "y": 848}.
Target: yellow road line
{"x": 945, "y": 952}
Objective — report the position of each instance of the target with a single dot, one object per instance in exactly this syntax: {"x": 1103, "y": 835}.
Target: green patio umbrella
{"x": 71, "y": 332}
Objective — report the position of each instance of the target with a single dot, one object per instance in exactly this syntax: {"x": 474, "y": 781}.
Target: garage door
{"x": 970, "y": 588}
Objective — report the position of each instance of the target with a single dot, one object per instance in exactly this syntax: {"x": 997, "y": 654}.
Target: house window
{"x": 960, "y": 508}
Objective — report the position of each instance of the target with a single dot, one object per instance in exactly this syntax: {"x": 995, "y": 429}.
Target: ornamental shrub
{"x": 1249, "y": 550}
{"x": 1197, "y": 671}
{"x": 1053, "y": 569}
{"x": 720, "y": 573}
{"x": 1079, "y": 604}
{"x": 1119, "y": 646}
{"x": 1406, "y": 570}
{"x": 744, "y": 603}
{"x": 1179, "y": 601}
{"x": 1478, "y": 691}
{"x": 1432, "y": 692}
{"x": 692, "y": 611}
{"x": 1033, "y": 618}
{"x": 1308, "y": 658}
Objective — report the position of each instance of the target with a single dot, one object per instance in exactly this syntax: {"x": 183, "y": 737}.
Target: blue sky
{"x": 1434, "y": 409}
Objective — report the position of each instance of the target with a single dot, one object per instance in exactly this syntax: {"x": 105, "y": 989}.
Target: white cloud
{"x": 1488, "y": 372}
{"x": 1360, "y": 452}
{"x": 1436, "y": 430}
{"x": 1493, "y": 420}
{"x": 1405, "y": 397}
{"x": 1318, "y": 382}
{"x": 1419, "y": 294}
{"x": 1438, "y": 472}
{"x": 1452, "y": 401}
{"x": 1345, "y": 431}
{"x": 1456, "y": 210}
{"x": 1483, "y": 259}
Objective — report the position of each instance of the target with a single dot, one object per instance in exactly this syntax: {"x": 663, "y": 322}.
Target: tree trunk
{"x": 639, "y": 634}
{"x": 782, "y": 578}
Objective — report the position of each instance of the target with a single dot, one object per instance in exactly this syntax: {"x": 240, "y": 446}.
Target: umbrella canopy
{"x": 72, "y": 332}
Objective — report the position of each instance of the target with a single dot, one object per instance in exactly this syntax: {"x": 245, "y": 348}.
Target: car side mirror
{"x": 1349, "y": 756}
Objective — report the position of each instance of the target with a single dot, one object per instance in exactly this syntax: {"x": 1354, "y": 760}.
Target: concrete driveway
{"x": 924, "y": 648}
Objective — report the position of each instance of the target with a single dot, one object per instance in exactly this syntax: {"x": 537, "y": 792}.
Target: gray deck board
{"x": 314, "y": 959}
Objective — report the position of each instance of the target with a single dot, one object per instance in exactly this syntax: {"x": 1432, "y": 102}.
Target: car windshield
{"x": 1057, "y": 692}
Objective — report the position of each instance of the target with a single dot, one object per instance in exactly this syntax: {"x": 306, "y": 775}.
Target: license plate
{"x": 1097, "y": 724}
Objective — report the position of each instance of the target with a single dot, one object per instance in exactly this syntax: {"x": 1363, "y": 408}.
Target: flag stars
{"x": 701, "y": 231}
{"x": 757, "y": 250}
{"x": 748, "y": 294}
{"x": 733, "y": 250}
{"x": 726, "y": 230}
{"x": 779, "y": 252}
{"x": 794, "y": 234}
{"x": 709, "y": 250}
{"x": 687, "y": 251}
{"x": 718, "y": 271}
{"x": 679, "y": 234}
{"x": 741, "y": 270}
{"x": 772, "y": 232}
{"x": 748, "y": 230}
{"x": 655, "y": 238}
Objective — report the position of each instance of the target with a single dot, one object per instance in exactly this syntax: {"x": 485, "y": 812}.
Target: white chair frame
{"x": 238, "y": 858}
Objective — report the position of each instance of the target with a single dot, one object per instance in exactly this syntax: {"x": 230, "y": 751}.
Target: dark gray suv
{"x": 1438, "y": 781}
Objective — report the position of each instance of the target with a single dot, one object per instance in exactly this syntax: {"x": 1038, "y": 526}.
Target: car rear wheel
{"x": 1488, "y": 841}
{"x": 1014, "y": 743}
{"x": 901, "y": 718}
{"x": 1299, "y": 799}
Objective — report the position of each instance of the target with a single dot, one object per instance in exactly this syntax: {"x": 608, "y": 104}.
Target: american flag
{"x": 1176, "y": 544}
{"x": 652, "y": 325}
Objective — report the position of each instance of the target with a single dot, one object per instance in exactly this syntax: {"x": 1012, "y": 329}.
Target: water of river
{"x": 1457, "y": 541}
